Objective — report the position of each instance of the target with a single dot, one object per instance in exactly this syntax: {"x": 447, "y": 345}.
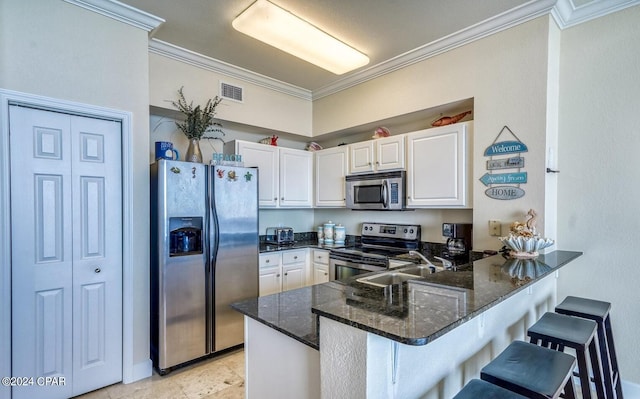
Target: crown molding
{"x": 121, "y": 12}
{"x": 211, "y": 64}
{"x": 567, "y": 14}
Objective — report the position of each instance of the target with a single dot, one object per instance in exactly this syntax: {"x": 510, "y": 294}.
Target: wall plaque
{"x": 498, "y": 182}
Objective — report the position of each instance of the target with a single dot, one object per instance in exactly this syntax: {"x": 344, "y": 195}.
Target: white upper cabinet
{"x": 439, "y": 167}
{"x": 285, "y": 174}
{"x": 296, "y": 178}
{"x": 330, "y": 169}
{"x": 377, "y": 155}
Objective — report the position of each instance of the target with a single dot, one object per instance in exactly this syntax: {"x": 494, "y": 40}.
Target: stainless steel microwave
{"x": 376, "y": 191}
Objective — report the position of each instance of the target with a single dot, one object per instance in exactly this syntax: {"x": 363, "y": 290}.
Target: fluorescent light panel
{"x": 281, "y": 29}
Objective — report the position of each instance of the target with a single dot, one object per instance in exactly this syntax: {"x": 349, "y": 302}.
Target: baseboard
{"x": 140, "y": 371}
{"x": 631, "y": 390}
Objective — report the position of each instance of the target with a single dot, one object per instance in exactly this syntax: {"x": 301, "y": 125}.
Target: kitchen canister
{"x": 328, "y": 232}
{"x": 339, "y": 234}
{"x": 320, "y": 234}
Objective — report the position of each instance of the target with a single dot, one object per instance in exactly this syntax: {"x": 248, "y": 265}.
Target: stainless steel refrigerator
{"x": 204, "y": 256}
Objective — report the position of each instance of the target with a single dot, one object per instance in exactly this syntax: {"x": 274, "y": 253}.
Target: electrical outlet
{"x": 495, "y": 228}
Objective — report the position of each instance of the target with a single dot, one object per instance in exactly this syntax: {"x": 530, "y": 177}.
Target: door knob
{"x": 97, "y": 270}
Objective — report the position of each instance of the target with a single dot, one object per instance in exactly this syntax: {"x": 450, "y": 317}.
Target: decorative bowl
{"x": 525, "y": 247}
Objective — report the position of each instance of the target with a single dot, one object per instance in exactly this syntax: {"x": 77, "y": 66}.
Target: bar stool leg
{"x": 615, "y": 377}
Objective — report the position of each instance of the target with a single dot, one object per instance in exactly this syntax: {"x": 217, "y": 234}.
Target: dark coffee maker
{"x": 459, "y": 237}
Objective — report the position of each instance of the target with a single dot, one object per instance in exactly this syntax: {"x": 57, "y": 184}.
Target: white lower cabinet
{"x": 294, "y": 269}
{"x": 320, "y": 261}
{"x": 283, "y": 271}
{"x": 270, "y": 271}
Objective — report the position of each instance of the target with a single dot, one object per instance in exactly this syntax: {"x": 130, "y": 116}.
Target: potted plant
{"x": 198, "y": 121}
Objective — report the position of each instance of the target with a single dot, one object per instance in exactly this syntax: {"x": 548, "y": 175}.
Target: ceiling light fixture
{"x": 281, "y": 29}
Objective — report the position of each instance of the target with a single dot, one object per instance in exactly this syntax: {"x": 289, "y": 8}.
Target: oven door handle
{"x": 385, "y": 193}
{"x": 353, "y": 265}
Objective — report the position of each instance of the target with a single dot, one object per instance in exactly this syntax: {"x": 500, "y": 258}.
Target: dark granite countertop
{"x": 420, "y": 311}
{"x": 298, "y": 244}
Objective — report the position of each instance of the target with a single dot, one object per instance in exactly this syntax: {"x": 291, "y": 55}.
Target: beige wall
{"x": 58, "y": 50}
{"x": 505, "y": 74}
{"x": 598, "y": 191}
{"x": 261, "y": 106}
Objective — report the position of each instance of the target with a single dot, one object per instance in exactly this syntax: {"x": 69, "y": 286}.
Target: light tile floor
{"x": 221, "y": 377}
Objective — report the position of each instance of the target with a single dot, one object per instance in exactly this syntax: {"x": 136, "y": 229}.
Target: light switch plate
{"x": 495, "y": 228}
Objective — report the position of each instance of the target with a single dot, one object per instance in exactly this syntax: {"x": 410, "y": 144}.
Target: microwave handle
{"x": 385, "y": 193}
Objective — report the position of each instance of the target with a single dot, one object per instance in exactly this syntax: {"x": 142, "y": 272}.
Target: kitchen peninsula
{"x": 344, "y": 339}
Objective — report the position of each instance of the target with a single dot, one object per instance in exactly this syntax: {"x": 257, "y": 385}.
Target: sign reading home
{"x": 504, "y": 155}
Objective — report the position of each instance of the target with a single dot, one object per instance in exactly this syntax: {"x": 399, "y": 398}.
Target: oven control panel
{"x": 396, "y": 231}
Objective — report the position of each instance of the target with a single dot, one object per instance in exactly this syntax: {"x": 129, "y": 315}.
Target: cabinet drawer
{"x": 293, "y": 256}
{"x": 320, "y": 256}
{"x": 269, "y": 260}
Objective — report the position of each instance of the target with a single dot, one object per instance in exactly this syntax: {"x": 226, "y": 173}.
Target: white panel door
{"x": 97, "y": 253}
{"x": 66, "y": 252}
{"x": 438, "y": 169}
{"x": 361, "y": 157}
{"x": 41, "y": 251}
{"x": 390, "y": 153}
{"x": 330, "y": 170}
{"x": 265, "y": 158}
{"x": 296, "y": 178}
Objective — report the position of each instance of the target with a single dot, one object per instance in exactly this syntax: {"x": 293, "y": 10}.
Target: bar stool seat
{"x": 598, "y": 311}
{"x": 557, "y": 331}
{"x": 477, "y": 389}
{"x": 532, "y": 371}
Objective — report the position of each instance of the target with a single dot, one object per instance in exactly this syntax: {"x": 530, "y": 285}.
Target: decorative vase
{"x": 193, "y": 152}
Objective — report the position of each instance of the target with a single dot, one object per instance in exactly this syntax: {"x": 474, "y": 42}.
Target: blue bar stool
{"x": 532, "y": 371}
{"x": 557, "y": 331}
{"x": 598, "y": 311}
{"x": 478, "y": 389}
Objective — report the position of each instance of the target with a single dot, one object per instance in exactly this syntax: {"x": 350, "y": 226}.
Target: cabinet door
{"x": 265, "y": 157}
{"x": 438, "y": 170}
{"x": 390, "y": 153}
{"x": 330, "y": 170}
{"x": 294, "y": 276}
{"x": 269, "y": 281}
{"x": 296, "y": 175}
{"x": 361, "y": 157}
{"x": 320, "y": 273}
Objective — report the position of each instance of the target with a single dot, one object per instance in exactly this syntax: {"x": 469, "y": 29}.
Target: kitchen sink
{"x": 418, "y": 270}
{"x": 386, "y": 279}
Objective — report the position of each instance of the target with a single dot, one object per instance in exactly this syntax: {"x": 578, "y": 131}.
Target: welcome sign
{"x": 498, "y": 183}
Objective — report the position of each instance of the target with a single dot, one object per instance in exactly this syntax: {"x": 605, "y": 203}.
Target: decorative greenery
{"x": 199, "y": 120}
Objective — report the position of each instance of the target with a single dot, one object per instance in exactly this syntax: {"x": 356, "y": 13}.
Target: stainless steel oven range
{"x": 379, "y": 242}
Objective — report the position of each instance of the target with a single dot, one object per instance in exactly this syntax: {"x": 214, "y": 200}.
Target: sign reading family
{"x": 517, "y": 177}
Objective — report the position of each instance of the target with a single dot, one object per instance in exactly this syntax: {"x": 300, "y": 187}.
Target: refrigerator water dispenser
{"x": 185, "y": 236}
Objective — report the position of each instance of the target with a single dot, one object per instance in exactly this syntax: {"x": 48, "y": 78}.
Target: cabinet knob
{"x": 377, "y": 163}
{"x": 295, "y": 257}
{"x": 325, "y": 273}
{"x": 266, "y": 261}
{"x": 286, "y": 274}
{"x": 282, "y": 199}
{"x": 278, "y": 275}
{"x": 97, "y": 270}
{"x": 275, "y": 198}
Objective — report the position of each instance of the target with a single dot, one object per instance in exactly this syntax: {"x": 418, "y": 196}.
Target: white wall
{"x": 598, "y": 191}
{"x": 505, "y": 74}
{"x": 59, "y": 50}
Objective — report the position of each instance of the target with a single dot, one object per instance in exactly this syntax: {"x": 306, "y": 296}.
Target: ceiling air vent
{"x": 231, "y": 92}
